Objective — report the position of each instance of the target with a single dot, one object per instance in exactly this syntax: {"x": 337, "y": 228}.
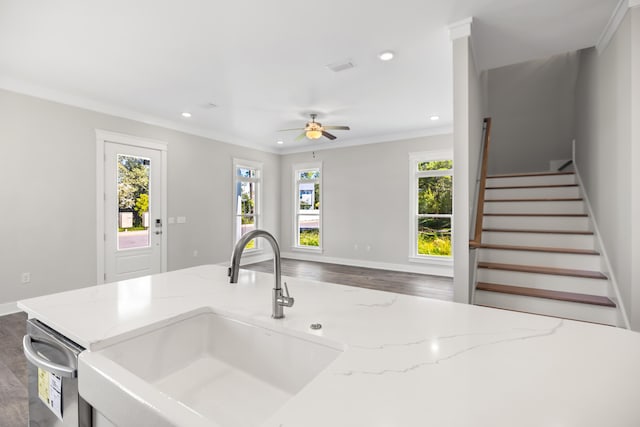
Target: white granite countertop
{"x": 408, "y": 361}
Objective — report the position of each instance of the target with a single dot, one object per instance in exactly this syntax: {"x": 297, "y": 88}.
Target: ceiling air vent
{"x": 336, "y": 67}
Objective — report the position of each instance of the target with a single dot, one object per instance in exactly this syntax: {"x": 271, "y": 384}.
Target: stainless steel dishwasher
{"x": 53, "y": 379}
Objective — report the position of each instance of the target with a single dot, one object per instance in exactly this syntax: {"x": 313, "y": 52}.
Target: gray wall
{"x": 365, "y": 200}
{"x": 532, "y": 106}
{"x": 47, "y": 184}
{"x": 607, "y": 153}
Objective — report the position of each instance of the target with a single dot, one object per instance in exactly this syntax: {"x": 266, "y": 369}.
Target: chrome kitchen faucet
{"x": 279, "y": 300}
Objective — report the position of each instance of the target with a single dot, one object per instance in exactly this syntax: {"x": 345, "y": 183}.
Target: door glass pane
{"x": 247, "y": 172}
{"x": 436, "y": 165}
{"x": 434, "y": 236}
{"x": 309, "y": 230}
{"x": 308, "y": 174}
{"x": 246, "y": 193}
{"x": 246, "y": 223}
{"x": 434, "y": 195}
{"x": 309, "y": 196}
{"x": 133, "y": 202}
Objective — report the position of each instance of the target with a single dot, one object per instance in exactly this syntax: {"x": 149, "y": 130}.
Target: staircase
{"x": 537, "y": 252}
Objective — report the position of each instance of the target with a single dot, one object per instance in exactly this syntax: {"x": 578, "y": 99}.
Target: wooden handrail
{"x": 477, "y": 238}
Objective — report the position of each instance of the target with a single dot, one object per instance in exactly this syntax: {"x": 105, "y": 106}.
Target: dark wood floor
{"x": 13, "y": 371}
{"x": 383, "y": 280}
{"x": 13, "y": 366}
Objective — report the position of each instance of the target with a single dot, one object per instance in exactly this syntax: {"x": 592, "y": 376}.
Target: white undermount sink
{"x": 220, "y": 370}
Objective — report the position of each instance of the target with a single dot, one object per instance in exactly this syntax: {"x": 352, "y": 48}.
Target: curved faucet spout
{"x": 279, "y": 300}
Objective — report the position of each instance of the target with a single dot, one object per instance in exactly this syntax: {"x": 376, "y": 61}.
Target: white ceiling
{"x": 263, "y": 62}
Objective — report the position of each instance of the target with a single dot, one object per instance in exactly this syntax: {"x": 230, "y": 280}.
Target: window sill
{"x": 307, "y": 249}
{"x": 433, "y": 260}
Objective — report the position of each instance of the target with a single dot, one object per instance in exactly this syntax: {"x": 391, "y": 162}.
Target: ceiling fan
{"x": 314, "y": 130}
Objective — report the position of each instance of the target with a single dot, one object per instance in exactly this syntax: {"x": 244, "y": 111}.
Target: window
{"x": 431, "y": 205}
{"x": 308, "y": 207}
{"x": 246, "y": 201}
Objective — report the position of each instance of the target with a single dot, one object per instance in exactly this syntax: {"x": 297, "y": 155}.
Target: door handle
{"x": 39, "y": 361}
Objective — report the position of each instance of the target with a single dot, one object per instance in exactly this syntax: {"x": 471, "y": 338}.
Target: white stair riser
{"x": 568, "y": 207}
{"x": 545, "y": 240}
{"x": 533, "y": 193}
{"x": 537, "y": 223}
{"x": 532, "y": 180}
{"x": 572, "y": 310}
{"x": 541, "y": 259}
{"x": 552, "y": 282}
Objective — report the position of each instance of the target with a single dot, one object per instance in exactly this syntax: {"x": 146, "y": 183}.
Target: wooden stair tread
{"x": 540, "y": 249}
{"x": 512, "y": 187}
{"x": 550, "y": 199}
{"x": 516, "y": 175}
{"x": 587, "y": 274}
{"x": 518, "y": 230}
{"x": 539, "y": 214}
{"x": 546, "y": 293}
{"x": 538, "y": 314}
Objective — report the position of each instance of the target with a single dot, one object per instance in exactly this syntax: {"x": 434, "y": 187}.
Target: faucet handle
{"x": 285, "y": 299}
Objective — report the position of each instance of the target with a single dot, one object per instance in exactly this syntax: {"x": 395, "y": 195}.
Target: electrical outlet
{"x": 26, "y": 278}
{"x": 195, "y": 253}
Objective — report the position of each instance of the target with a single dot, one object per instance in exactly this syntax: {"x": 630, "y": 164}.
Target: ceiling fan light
{"x": 314, "y": 134}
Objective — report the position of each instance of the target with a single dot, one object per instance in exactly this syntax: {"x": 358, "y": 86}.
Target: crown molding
{"x": 25, "y": 88}
{"x": 614, "y": 22}
{"x": 460, "y": 29}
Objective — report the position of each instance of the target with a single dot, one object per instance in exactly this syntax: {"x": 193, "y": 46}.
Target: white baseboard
{"x": 435, "y": 270}
{"x": 9, "y": 308}
{"x": 622, "y": 312}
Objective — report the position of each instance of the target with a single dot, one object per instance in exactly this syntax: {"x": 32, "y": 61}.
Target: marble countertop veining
{"x": 408, "y": 361}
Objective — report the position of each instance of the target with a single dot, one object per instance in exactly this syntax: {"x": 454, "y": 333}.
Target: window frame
{"x": 257, "y": 215}
{"x": 297, "y": 168}
{"x": 414, "y": 216}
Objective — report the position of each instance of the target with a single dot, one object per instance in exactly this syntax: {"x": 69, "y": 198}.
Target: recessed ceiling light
{"x": 434, "y": 118}
{"x": 279, "y": 142}
{"x": 387, "y": 55}
{"x": 186, "y": 114}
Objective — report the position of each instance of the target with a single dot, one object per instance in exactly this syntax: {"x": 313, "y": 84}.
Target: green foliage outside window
{"x": 310, "y": 237}
{"x": 435, "y": 197}
{"x": 133, "y": 187}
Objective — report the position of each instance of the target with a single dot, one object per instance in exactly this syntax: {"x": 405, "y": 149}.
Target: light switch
{"x": 182, "y": 219}
{"x": 171, "y": 220}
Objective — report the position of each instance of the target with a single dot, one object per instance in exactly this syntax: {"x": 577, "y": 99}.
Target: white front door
{"x": 132, "y": 211}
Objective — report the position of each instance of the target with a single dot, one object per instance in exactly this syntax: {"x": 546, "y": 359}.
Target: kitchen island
{"x": 401, "y": 360}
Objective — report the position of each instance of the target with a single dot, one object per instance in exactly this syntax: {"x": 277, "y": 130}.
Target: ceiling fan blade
{"x": 299, "y": 137}
{"x": 338, "y": 127}
{"x": 328, "y": 135}
{"x": 284, "y": 130}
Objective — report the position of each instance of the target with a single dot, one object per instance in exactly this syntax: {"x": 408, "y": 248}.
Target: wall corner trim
{"x": 460, "y": 29}
{"x": 614, "y": 22}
